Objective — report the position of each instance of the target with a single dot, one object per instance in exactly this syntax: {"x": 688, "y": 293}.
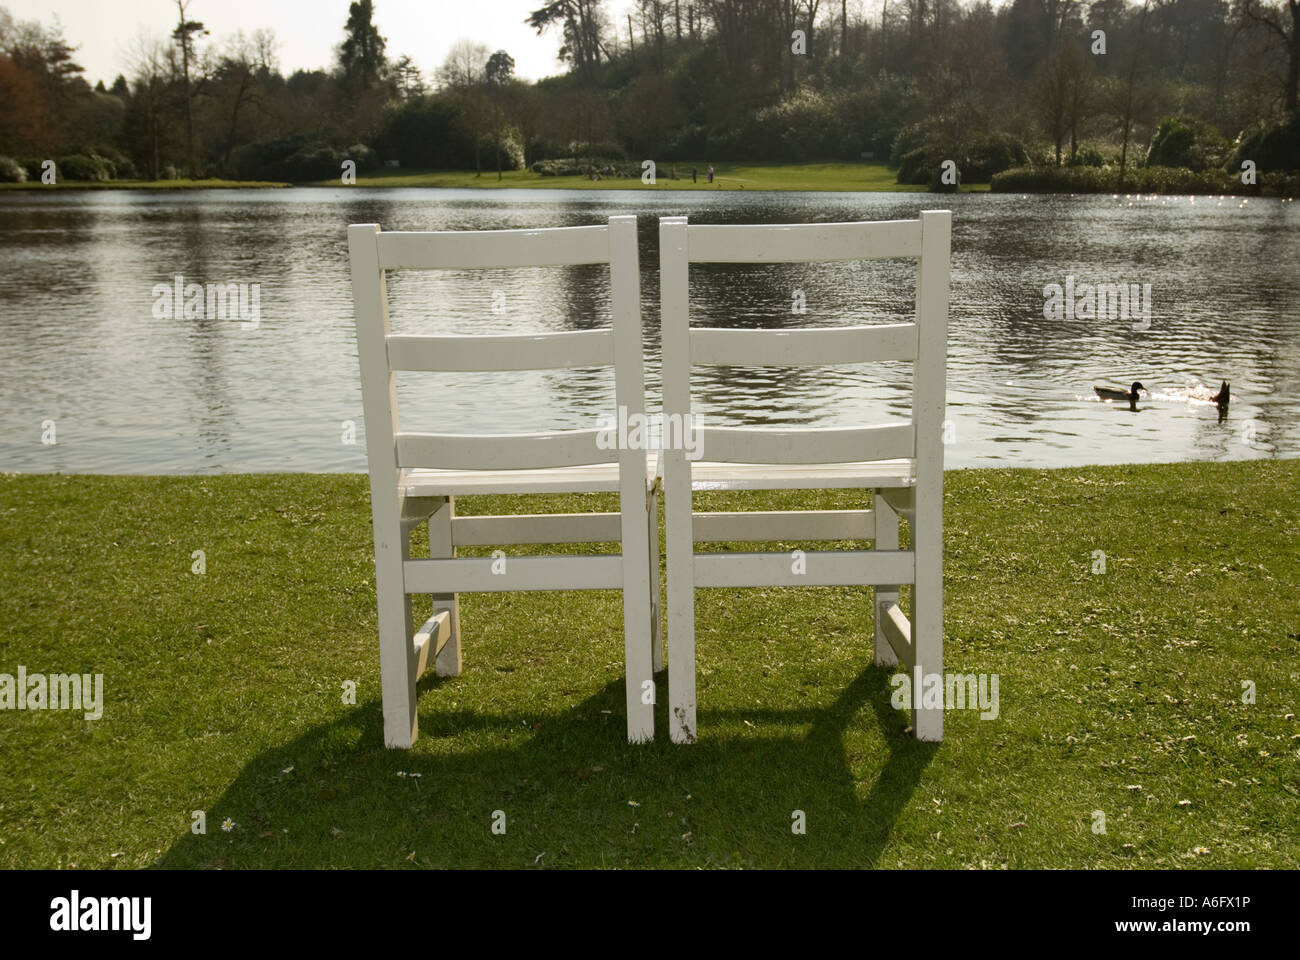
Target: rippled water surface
{"x": 129, "y": 392}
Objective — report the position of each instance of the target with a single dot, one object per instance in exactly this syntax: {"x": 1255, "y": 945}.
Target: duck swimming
{"x": 1107, "y": 393}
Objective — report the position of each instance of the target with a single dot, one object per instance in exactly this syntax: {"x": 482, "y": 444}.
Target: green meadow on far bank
{"x": 839, "y": 177}
{"x": 145, "y": 185}
{"x": 844, "y": 177}
{"x": 1147, "y": 713}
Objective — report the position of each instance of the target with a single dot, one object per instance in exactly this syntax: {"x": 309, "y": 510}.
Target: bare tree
{"x": 1128, "y": 100}
{"x": 464, "y": 74}
{"x": 1284, "y": 22}
{"x": 184, "y": 36}
{"x": 147, "y": 60}
{"x": 244, "y": 60}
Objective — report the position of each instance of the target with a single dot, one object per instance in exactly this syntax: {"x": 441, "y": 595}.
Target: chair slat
{"x": 485, "y": 249}
{"x": 519, "y": 451}
{"x": 543, "y": 351}
{"x": 897, "y": 630}
{"x": 821, "y": 568}
{"x": 784, "y": 525}
{"x": 477, "y": 574}
{"x": 807, "y": 445}
{"x": 806, "y": 347}
{"x": 804, "y": 242}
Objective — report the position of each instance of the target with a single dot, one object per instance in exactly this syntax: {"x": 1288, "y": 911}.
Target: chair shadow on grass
{"x": 571, "y": 791}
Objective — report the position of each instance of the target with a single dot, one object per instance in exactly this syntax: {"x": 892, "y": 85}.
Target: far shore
{"x": 148, "y": 185}
{"x": 832, "y": 177}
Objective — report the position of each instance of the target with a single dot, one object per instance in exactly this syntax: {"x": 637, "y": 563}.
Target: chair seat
{"x": 588, "y": 478}
{"x": 706, "y": 475}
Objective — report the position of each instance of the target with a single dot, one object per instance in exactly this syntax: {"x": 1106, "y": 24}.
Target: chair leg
{"x": 927, "y": 637}
{"x": 885, "y": 594}
{"x": 681, "y": 607}
{"x": 656, "y": 612}
{"x": 448, "y": 663}
{"x": 396, "y": 637}
{"x": 637, "y": 630}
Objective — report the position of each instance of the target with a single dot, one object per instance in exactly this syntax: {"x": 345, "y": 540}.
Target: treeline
{"x": 1046, "y": 93}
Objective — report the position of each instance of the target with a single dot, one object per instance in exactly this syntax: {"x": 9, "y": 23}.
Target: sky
{"x": 308, "y": 30}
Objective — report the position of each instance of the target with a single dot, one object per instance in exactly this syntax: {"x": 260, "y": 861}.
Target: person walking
{"x": 693, "y": 178}
{"x": 710, "y": 173}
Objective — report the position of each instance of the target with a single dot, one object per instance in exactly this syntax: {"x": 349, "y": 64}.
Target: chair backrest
{"x": 391, "y": 449}
{"x": 923, "y": 340}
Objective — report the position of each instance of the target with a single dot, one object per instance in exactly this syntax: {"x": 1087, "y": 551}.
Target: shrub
{"x": 511, "y": 146}
{"x": 544, "y": 148}
{"x": 584, "y": 166}
{"x": 913, "y": 167}
{"x": 297, "y": 160}
{"x": 1273, "y": 147}
{"x": 919, "y": 155}
{"x": 365, "y": 158}
{"x": 315, "y": 162}
{"x": 1186, "y": 142}
{"x": 1088, "y": 157}
{"x": 1278, "y": 184}
{"x": 427, "y": 133}
{"x": 11, "y": 171}
{"x": 1106, "y": 180}
{"x": 989, "y": 155}
{"x": 910, "y": 139}
{"x": 262, "y": 160}
{"x": 80, "y": 167}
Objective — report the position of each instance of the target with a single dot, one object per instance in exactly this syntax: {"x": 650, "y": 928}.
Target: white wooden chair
{"x": 902, "y": 464}
{"x": 416, "y": 476}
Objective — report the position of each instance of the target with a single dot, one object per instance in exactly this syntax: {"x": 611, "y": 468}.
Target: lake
{"x": 86, "y": 359}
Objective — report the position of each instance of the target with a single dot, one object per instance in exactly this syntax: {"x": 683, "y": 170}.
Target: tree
{"x": 1285, "y": 25}
{"x": 184, "y": 36}
{"x": 499, "y": 71}
{"x": 146, "y": 127}
{"x": 46, "y": 78}
{"x": 407, "y": 78}
{"x": 1128, "y": 99}
{"x": 242, "y": 67}
{"x": 463, "y": 74}
{"x": 362, "y": 63}
{"x": 22, "y": 108}
{"x": 1052, "y": 92}
{"x": 581, "y": 23}
{"x": 465, "y": 65}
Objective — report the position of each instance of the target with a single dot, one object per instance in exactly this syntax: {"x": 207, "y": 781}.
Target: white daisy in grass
{"x": 227, "y": 825}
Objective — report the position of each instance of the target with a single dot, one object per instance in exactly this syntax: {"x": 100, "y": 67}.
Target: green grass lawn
{"x": 145, "y": 185}
{"x": 728, "y": 176}
{"x": 1120, "y": 692}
